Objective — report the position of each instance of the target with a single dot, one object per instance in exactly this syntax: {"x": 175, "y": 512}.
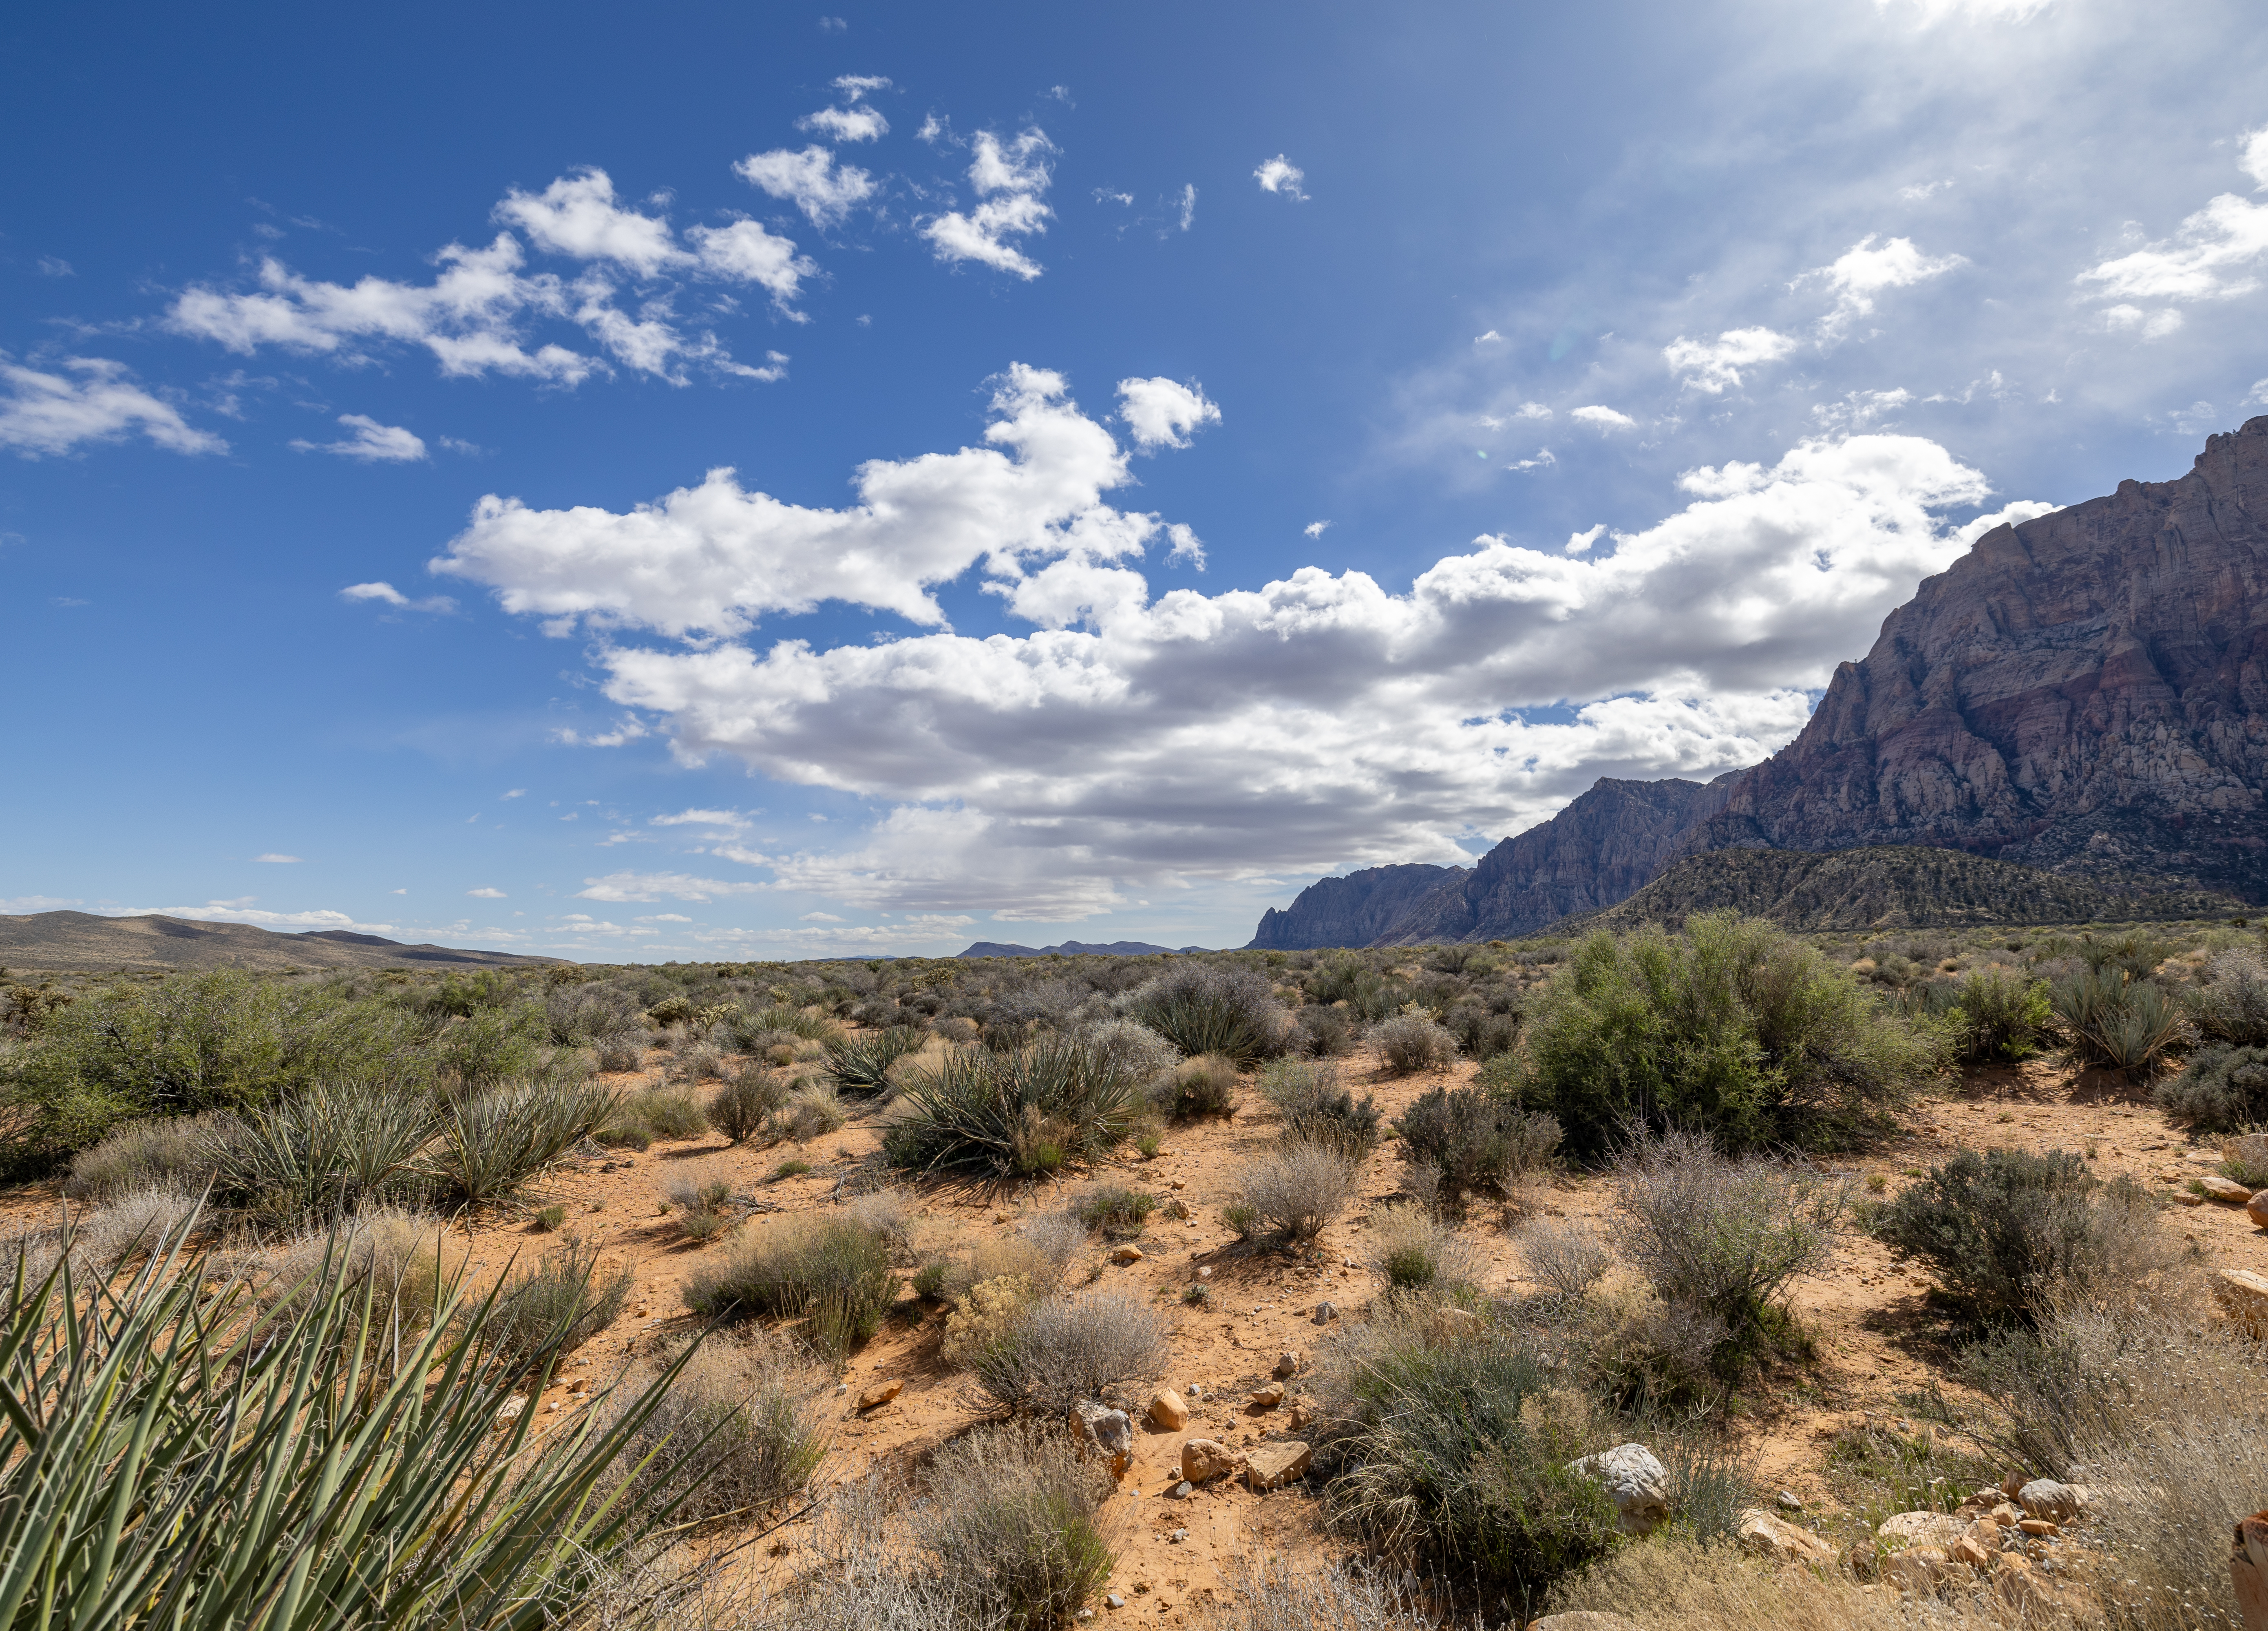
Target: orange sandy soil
{"x": 1875, "y": 1338}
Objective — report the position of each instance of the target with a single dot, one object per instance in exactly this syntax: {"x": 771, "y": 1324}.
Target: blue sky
{"x": 754, "y": 483}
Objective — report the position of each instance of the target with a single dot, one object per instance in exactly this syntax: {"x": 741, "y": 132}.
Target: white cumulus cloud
{"x": 1280, "y": 175}
{"x": 846, "y": 124}
{"x": 629, "y": 886}
{"x": 92, "y": 400}
{"x": 1864, "y": 271}
{"x": 1715, "y": 365}
{"x": 825, "y": 191}
{"x": 371, "y": 442}
{"x": 1009, "y": 179}
{"x": 1133, "y": 740}
{"x": 1602, "y": 419}
{"x": 1161, "y": 413}
{"x": 2214, "y": 255}
{"x": 387, "y": 594}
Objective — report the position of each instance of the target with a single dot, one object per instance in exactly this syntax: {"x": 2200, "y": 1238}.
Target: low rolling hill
{"x": 1886, "y": 887}
{"x": 80, "y": 942}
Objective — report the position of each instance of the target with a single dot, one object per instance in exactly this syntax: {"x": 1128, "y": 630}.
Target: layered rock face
{"x": 2086, "y": 693}
{"x": 1601, "y": 848}
{"x": 1352, "y": 910}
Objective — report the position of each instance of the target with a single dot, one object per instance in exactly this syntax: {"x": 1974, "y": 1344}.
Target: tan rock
{"x": 512, "y": 1408}
{"x": 1104, "y": 1432}
{"x": 2257, "y": 1208}
{"x": 2224, "y": 1189}
{"x": 1918, "y": 1569}
{"x": 881, "y": 1393}
{"x": 1269, "y": 1397}
{"x": 2007, "y": 1515}
{"x": 1128, "y": 1253}
{"x": 1583, "y": 1620}
{"x": 2040, "y": 1527}
{"x": 1902, "y": 1530}
{"x": 1167, "y": 1414}
{"x": 2020, "y": 1587}
{"x": 1775, "y": 1538}
{"x": 2247, "y": 1570}
{"x": 1205, "y": 1459}
{"x": 1967, "y": 1550}
{"x": 2050, "y": 1498}
{"x": 1271, "y": 1465}
{"x": 1287, "y": 1362}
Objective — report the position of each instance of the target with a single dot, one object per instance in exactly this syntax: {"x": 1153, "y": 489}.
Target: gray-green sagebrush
{"x": 176, "y": 1455}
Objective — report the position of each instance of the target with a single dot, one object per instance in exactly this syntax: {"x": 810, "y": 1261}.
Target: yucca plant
{"x": 1014, "y": 1115}
{"x": 745, "y": 1029}
{"x": 174, "y": 1456}
{"x": 492, "y": 1142}
{"x": 2109, "y": 1019}
{"x": 322, "y": 1151}
{"x": 861, "y": 1064}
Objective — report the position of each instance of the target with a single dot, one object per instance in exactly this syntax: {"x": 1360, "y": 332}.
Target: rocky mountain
{"x": 81, "y": 942}
{"x": 1884, "y": 887}
{"x": 2085, "y": 693}
{"x": 1352, "y": 910}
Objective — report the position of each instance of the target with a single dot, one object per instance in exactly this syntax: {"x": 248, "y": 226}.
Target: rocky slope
{"x": 1881, "y": 888}
{"x": 1352, "y": 910}
{"x": 2086, "y": 693}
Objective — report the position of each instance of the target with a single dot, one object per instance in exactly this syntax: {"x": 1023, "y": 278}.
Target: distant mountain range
{"x": 2084, "y": 695}
{"x": 1074, "y": 948}
{"x": 80, "y": 942}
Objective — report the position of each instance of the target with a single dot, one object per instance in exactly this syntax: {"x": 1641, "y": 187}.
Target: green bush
{"x": 2007, "y": 1230}
{"x": 1997, "y": 1016}
{"x": 1416, "y": 1251}
{"x": 1202, "y": 1085}
{"x": 1014, "y": 1115}
{"x": 1316, "y": 1109}
{"x": 2222, "y": 1088}
{"x": 1447, "y": 1466}
{"x": 744, "y": 1104}
{"x": 833, "y": 1272}
{"x": 1475, "y": 1141}
{"x": 167, "y": 1151}
{"x": 662, "y": 1112}
{"x": 1723, "y": 1236}
{"x": 557, "y": 1306}
{"x": 1324, "y": 1033}
{"x": 2115, "y": 1020}
{"x": 861, "y": 1063}
{"x": 492, "y": 1045}
{"x": 1056, "y": 1351}
{"x": 2231, "y": 999}
{"x": 330, "y": 1149}
{"x": 1207, "y": 1007}
{"x": 1410, "y": 1043}
{"x": 1113, "y": 1208}
{"x": 1733, "y": 1027}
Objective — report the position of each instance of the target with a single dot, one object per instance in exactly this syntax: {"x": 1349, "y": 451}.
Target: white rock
{"x": 1635, "y": 1480}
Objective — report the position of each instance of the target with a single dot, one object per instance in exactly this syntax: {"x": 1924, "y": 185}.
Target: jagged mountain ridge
{"x": 1352, "y": 911}
{"x": 2086, "y": 693}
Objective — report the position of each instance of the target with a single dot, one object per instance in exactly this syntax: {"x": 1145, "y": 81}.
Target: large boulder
{"x": 1775, "y": 1538}
{"x": 1266, "y": 1465}
{"x": 1205, "y": 1459}
{"x": 1635, "y": 1480}
{"x": 1167, "y": 1412}
{"x": 2045, "y": 1497}
{"x": 1902, "y": 1530}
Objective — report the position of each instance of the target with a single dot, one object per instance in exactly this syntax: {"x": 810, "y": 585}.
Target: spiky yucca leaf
{"x": 172, "y": 1455}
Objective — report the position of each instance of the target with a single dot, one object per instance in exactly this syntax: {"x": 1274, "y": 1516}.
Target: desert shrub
{"x": 703, "y": 1062}
{"x": 1012, "y": 1529}
{"x": 1014, "y": 1115}
{"x": 2231, "y": 999}
{"x": 1482, "y": 1033}
{"x": 2112, "y": 1019}
{"x": 1210, "y": 1008}
{"x": 550, "y": 1219}
{"x": 491, "y": 1142}
{"x": 330, "y": 1148}
{"x": 1324, "y": 1033}
{"x": 639, "y": 1119}
{"x": 391, "y": 1254}
{"x": 591, "y": 1012}
{"x": 558, "y": 1305}
{"x": 173, "y": 1150}
{"x": 1565, "y": 1259}
{"x": 748, "y": 1031}
{"x": 985, "y": 1314}
{"x": 698, "y": 1189}
{"x": 1733, "y": 1027}
{"x": 1474, "y": 1141}
{"x": 198, "y": 1042}
{"x": 1141, "y": 1053}
{"x": 1998, "y": 1015}
{"x": 792, "y": 1167}
{"x": 1317, "y": 1110}
{"x": 812, "y": 1112}
{"x": 621, "y": 1052}
{"x": 1115, "y": 1209}
{"x": 756, "y": 1416}
{"x": 1298, "y": 1188}
{"x": 1452, "y": 1460}
{"x": 834, "y": 1270}
{"x": 676, "y": 1009}
{"x": 2221, "y": 1088}
{"x": 133, "y": 1223}
{"x": 1416, "y": 1251}
{"x": 861, "y": 1063}
{"x": 2245, "y": 1157}
{"x": 1369, "y": 995}
{"x": 490, "y": 1045}
{"x": 1059, "y": 1350}
{"x": 739, "y": 1109}
{"x": 1723, "y": 1233}
{"x": 1202, "y": 1085}
{"x": 2007, "y": 1231}
{"x": 1410, "y": 1043}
